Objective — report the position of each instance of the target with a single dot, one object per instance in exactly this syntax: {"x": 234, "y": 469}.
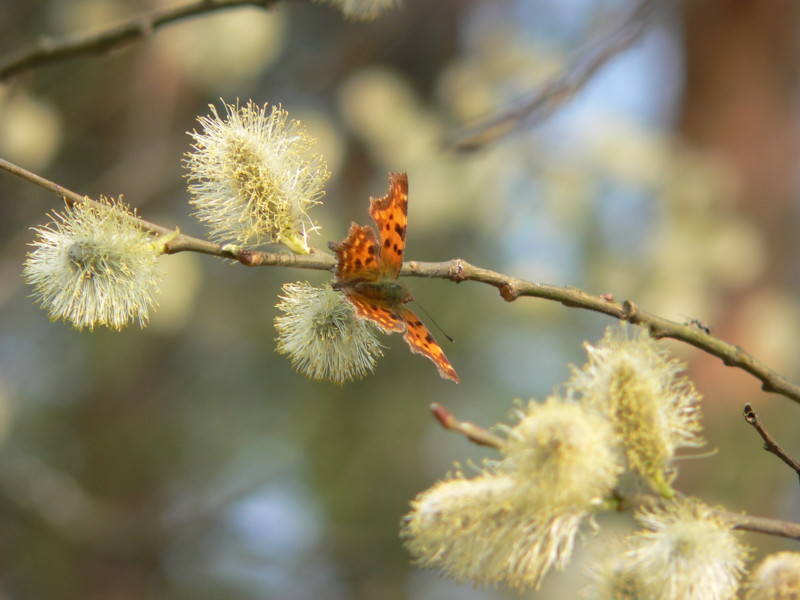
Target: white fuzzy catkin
{"x": 92, "y": 265}
{"x": 253, "y": 176}
{"x": 320, "y": 333}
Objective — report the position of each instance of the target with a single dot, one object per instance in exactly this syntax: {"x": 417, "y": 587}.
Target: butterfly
{"x": 367, "y": 269}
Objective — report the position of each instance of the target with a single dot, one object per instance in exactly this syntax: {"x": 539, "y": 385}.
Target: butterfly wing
{"x": 376, "y": 310}
{"x": 357, "y": 255}
{"x": 390, "y": 214}
{"x": 421, "y": 341}
{"x": 367, "y": 266}
{"x": 357, "y": 262}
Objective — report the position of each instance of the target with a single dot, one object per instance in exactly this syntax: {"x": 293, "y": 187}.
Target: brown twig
{"x": 458, "y": 270}
{"x": 741, "y": 521}
{"x": 474, "y": 433}
{"x": 49, "y": 51}
{"x": 770, "y": 445}
{"x": 548, "y": 97}
{"x": 178, "y": 243}
{"x": 785, "y": 529}
{"x": 511, "y": 288}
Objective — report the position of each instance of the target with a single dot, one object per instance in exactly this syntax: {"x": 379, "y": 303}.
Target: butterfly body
{"x": 367, "y": 269}
{"x": 391, "y": 291}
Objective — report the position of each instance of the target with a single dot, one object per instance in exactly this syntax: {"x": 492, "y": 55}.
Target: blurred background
{"x": 188, "y": 459}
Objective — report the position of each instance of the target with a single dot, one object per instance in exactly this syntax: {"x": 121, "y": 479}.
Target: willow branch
{"x": 458, "y": 270}
{"x": 50, "y": 51}
{"x": 552, "y": 94}
{"x": 740, "y": 521}
{"x": 511, "y": 288}
{"x": 770, "y": 445}
{"x": 179, "y": 241}
{"x": 474, "y": 433}
{"x": 776, "y": 527}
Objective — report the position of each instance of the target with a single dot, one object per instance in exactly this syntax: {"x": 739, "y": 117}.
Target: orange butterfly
{"x": 367, "y": 271}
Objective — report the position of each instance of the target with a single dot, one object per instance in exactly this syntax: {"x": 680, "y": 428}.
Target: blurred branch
{"x": 770, "y": 445}
{"x": 36, "y": 489}
{"x": 459, "y": 270}
{"x": 563, "y": 86}
{"x": 741, "y": 521}
{"x": 50, "y": 51}
{"x": 39, "y": 491}
{"x": 785, "y": 529}
{"x": 474, "y": 433}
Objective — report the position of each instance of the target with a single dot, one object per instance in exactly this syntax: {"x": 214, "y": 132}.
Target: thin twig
{"x": 785, "y": 529}
{"x": 474, "y": 433}
{"x": 49, "y": 51}
{"x": 458, "y": 270}
{"x": 180, "y": 241}
{"x": 770, "y": 445}
{"x": 741, "y": 521}
{"x": 552, "y": 94}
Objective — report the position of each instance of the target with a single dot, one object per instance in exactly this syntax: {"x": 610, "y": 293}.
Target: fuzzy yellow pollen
{"x": 615, "y": 579}
{"x": 481, "y": 531}
{"x": 776, "y": 578}
{"x": 93, "y": 265}
{"x": 689, "y": 551}
{"x": 518, "y": 520}
{"x": 320, "y": 333}
{"x": 654, "y": 410}
{"x": 565, "y": 452}
{"x": 253, "y": 176}
{"x": 362, "y": 10}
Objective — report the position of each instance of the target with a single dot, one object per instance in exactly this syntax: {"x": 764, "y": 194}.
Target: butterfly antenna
{"x": 432, "y": 320}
